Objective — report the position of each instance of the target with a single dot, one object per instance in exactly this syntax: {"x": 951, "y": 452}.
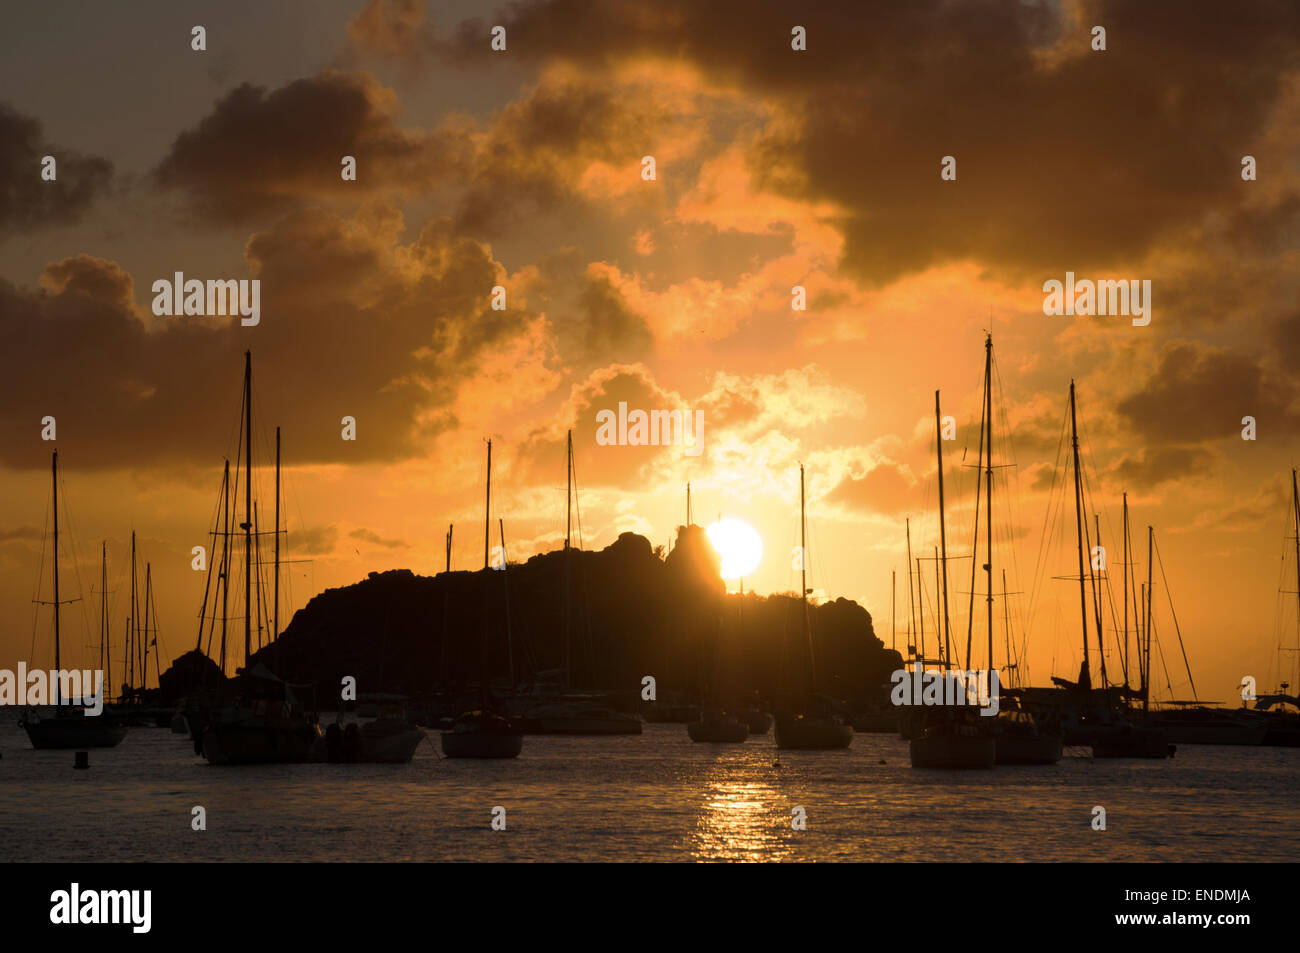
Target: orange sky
{"x": 774, "y": 168}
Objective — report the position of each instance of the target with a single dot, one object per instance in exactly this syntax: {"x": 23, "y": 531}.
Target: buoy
{"x": 82, "y": 760}
{"x": 882, "y": 760}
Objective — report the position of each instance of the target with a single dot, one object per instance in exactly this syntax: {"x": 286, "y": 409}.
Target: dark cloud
{"x": 610, "y": 326}
{"x": 1036, "y": 120}
{"x": 258, "y": 154}
{"x": 352, "y": 324}
{"x": 1197, "y": 394}
{"x": 368, "y": 536}
{"x": 27, "y": 201}
{"x": 1149, "y": 467}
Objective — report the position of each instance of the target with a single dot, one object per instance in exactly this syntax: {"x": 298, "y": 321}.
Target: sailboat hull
{"x": 951, "y": 751}
{"x": 73, "y": 732}
{"x": 1028, "y": 749}
{"x": 481, "y": 744}
{"x": 811, "y": 733}
{"x": 1131, "y": 741}
{"x": 290, "y": 741}
{"x": 721, "y": 731}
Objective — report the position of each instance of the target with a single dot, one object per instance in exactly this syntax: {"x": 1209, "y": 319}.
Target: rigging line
{"x": 1170, "y": 596}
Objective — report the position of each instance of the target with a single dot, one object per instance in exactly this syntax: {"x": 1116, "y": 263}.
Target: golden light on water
{"x": 739, "y": 545}
{"x": 735, "y": 821}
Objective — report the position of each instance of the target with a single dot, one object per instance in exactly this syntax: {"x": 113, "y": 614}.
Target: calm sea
{"x": 656, "y": 797}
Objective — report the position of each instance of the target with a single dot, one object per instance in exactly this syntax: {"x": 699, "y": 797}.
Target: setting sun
{"x": 738, "y": 544}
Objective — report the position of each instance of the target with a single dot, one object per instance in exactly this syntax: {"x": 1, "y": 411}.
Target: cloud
{"x": 393, "y": 30}
{"x": 1198, "y": 393}
{"x": 368, "y": 536}
{"x": 354, "y": 322}
{"x": 1013, "y": 91}
{"x": 260, "y": 153}
{"x": 27, "y": 201}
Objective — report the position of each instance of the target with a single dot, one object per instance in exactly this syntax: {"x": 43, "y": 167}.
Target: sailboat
{"x": 569, "y": 715}
{"x": 1019, "y": 736}
{"x": 950, "y": 736}
{"x": 1278, "y": 710}
{"x": 70, "y": 726}
{"x": 817, "y": 725}
{"x": 483, "y": 733}
{"x": 1105, "y": 726}
{"x": 257, "y": 719}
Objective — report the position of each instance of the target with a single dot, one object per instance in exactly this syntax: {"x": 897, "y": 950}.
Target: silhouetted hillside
{"x": 632, "y": 613}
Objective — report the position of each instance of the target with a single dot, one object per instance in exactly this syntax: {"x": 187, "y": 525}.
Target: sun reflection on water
{"x": 738, "y": 820}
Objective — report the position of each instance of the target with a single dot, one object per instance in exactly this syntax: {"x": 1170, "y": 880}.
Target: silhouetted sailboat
{"x": 483, "y": 733}
{"x": 70, "y": 726}
{"x": 1279, "y": 710}
{"x": 814, "y": 724}
{"x": 950, "y": 737}
{"x": 257, "y": 718}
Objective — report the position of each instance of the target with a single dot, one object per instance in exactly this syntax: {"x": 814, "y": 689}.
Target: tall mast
{"x": 487, "y": 528}
{"x": 803, "y": 582}
{"x": 1295, "y": 510}
{"x": 568, "y": 561}
{"x": 1146, "y": 696}
{"x": 893, "y": 613}
{"x": 1097, "y": 581}
{"x": 505, "y": 579}
{"x": 920, "y": 611}
{"x": 225, "y": 563}
{"x": 1085, "y": 680}
{"x": 275, "y": 586}
{"x": 487, "y": 508}
{"x": 148, "y": 598}
{"x": 1006, "y": 617}
{"x": 938, "y": 585}
{"x": 248, "y": 505}
{"x": 688, "y": 504}
{"x": 135, "y": 618}
{"x": 943, "y": 534}
{"x": 917, "y": 651}
{"x": 103, "y": 618}
{"x": 58, "y": 658}
{"x": 1125, "y": 568}
{"x": 988, "y": 486}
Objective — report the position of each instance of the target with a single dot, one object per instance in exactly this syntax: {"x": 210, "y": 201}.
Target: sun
{"x": 738, "y": 544}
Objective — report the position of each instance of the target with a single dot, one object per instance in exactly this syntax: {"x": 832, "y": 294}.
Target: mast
{"x": 487, "y": 508}
{"x": 148, "y": 598}
{"x": 135, "y": 617}
{"x": 688, "y": 504}
{"x": 938, "y": 585}
{"x": 917, "y": 651}
{"x": 893, "y": 614}
{"x": 988, "y": 488}
{"x": 1006, "y": 616}
{"x": 943, "y": 534}
{"x": 103, "y": 619}
{"x": 1126, "y": 541}
{"x": 225, "y": 564}
{"x": 58, "y": 659}
{"x": 487, "y": 529}
{"x": 275, "y": 586}
{"x": 803, "y": 582}
{"x": 1146, "y": 696}
{"x": 510, "y": 651}
{"x": 1085, "y": 681}
{"x": 248, "y": 505}
{"x": 568, "y": 562}
{"x": 1295, "y": 511}
{"x": 1097, "y": 582}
